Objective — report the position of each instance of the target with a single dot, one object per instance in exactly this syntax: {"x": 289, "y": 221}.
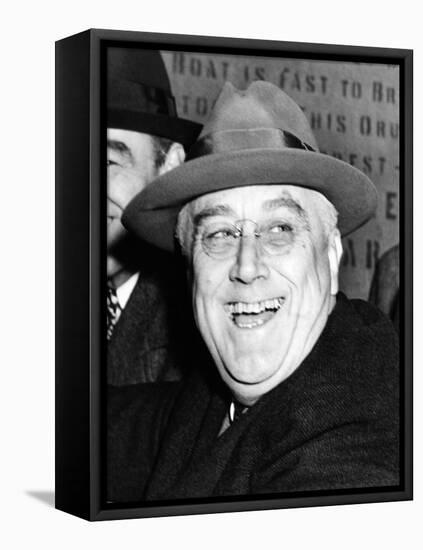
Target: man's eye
{"x": 221, "y": 234}
{"x": 111, "y": 163}
{"x": 280, "y": 228}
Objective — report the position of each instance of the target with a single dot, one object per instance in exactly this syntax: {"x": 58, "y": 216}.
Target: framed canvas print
{"x": 233, "y": 282}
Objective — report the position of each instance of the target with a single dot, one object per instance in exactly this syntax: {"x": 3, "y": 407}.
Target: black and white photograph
{"x": 210, "y": 275}
{"x": 254, "y": 302}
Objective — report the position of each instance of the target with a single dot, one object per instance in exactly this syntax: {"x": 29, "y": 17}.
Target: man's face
{"x": 130, "y": 162}
{"x": 261, "y": 304}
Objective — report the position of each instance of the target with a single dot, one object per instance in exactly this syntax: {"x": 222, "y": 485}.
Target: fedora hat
{"x": 257, "y": 136}
{"x": 139, "y": 96}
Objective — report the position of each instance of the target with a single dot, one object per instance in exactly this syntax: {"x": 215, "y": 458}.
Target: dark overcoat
{"x": 333, "y": 424}
{"x": 147, "y": 341}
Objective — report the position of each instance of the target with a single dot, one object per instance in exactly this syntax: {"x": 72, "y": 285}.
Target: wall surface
{"x": 353, "y": 109}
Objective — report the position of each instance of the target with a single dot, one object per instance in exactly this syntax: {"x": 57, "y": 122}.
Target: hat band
{"x": 137, "y": 97}
{"x": 238, "y": 140}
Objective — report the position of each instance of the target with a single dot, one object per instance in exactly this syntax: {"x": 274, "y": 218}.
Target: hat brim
{"x": 176, "y": 129}
{"x": 152, "y": 214}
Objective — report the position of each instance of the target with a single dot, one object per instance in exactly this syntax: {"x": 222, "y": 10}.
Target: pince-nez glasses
{"x": 221, "y": 240}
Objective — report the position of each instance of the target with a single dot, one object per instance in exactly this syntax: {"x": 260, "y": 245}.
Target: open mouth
{"x": 253, "y": 314}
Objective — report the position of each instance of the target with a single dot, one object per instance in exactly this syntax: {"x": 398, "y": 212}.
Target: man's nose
{"x": 249, "y": 263}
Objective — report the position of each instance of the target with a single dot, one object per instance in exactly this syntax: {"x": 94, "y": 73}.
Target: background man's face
{"x": 131, "y": 167}
{"x": 261, "y": 313}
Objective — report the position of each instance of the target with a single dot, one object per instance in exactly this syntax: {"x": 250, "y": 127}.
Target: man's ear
{"x": 175, "y": 156}
{"x": 334, "y": 255}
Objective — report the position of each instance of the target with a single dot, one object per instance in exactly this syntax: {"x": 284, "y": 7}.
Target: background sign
{"x": 353, "y": 109}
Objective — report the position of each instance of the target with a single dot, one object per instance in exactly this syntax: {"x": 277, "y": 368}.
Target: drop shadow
{"x": 46, "y": 497}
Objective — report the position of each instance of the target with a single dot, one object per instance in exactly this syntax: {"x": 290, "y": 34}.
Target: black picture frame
{"x": 80, "y": 279}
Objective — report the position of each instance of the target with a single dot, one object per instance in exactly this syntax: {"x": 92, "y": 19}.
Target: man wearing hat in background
{"x": 298, "y": 390}
{"x": 145, "y": 139}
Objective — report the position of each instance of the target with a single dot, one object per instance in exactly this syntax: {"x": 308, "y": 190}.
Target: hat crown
{"x": 261, "y": 105}
{"x": 139, "y": 96}
{"x": 144, "y": 67}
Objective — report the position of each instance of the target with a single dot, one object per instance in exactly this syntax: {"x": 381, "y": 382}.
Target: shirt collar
{"x": 124, "y": 291}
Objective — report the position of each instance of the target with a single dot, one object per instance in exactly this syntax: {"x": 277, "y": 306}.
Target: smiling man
{"x": 145, "y": 138}
{"x": 265, "y": 267}
{"x": 297, "y": 390}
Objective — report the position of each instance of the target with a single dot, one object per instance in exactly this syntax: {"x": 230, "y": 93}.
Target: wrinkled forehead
{"x": 256, "y": 201}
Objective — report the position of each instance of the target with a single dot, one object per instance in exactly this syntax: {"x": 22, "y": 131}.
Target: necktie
{"x": 113, "y": 310}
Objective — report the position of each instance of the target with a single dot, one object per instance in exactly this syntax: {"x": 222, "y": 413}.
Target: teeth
{"x": 253, "y": 324}
{"x": 239, "y": 308}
